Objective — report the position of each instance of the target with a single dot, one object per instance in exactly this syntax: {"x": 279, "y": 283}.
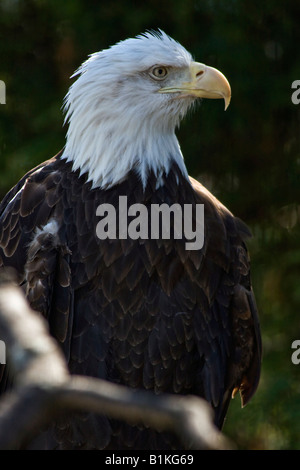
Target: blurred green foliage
{"x": 249, "y": 157}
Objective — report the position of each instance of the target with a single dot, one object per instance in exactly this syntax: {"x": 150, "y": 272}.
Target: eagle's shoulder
{"x": 26, "y": 207}
{"x": 215, "y": 209}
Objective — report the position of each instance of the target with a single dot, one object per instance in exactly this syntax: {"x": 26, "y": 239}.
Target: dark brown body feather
{"x": 144, "y": 313}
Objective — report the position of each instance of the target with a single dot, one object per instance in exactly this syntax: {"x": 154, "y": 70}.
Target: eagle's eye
{"x": 159, "y": 72}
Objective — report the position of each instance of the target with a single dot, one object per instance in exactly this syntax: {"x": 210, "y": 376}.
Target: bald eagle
{"x": 142, "y": 311}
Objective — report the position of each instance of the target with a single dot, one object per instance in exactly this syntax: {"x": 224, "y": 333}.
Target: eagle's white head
{"x": 126, "y": 103}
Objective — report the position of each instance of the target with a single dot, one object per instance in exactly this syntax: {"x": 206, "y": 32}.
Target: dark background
{"x": 248, "y": 156}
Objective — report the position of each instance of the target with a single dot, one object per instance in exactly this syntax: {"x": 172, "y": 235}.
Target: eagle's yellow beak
{"x": 203, "y": 82}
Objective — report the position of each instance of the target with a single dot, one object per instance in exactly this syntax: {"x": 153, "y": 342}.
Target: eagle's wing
{"x": 226, "y": 268}
{"x": 34, "y": 217}
{"x": 29, "y": 243}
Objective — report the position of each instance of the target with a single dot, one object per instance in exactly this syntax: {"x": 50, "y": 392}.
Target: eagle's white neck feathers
{"x": 117, "y": 119}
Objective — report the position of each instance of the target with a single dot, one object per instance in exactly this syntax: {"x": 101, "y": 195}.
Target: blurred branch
{"x": 43, "y": 387}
